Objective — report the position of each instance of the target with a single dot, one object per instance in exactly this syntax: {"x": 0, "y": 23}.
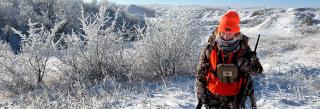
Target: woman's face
{"x": 227, "y": 36}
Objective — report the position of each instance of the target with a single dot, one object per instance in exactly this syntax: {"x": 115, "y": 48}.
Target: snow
{"x": 291, "y": 78}
{"x": 179, "y": 94}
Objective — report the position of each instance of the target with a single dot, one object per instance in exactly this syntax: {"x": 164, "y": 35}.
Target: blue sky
{"x": 227, "y": 3}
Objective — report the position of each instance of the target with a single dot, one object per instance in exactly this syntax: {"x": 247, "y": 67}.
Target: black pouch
{"x": 227, "y": 73}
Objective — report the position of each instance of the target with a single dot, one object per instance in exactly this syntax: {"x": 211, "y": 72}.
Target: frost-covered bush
{"x": 170, "y": 45}
{"x": 26, "y": 70}
{"x": 96, "y": 52}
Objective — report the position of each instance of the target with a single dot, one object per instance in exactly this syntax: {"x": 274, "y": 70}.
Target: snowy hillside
{"x": 289, "y": 51}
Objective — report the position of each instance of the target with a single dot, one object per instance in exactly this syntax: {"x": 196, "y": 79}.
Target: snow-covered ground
{"x": 289, "y": 51}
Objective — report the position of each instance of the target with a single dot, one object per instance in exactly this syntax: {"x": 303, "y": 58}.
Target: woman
{"x": 224, "y": 66}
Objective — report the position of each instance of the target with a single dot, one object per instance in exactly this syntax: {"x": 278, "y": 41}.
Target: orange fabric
{"x": 230, "y": 22}
{"x": 215, "y": 86}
